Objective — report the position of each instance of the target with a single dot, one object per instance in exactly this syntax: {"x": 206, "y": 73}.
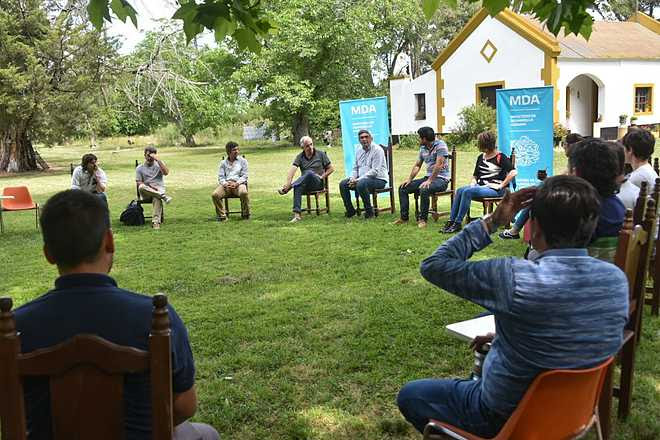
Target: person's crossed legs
{"x": 453, "y": 401}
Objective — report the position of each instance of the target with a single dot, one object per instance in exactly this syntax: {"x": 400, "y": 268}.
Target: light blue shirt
{"x": 370, "y": 163}
{"x": 563, "y": 310}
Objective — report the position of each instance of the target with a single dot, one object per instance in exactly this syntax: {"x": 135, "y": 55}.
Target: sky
{"x": 148, "y": 11}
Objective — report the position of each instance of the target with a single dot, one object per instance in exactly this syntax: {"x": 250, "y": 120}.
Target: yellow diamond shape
{"x": 488, "y": 51}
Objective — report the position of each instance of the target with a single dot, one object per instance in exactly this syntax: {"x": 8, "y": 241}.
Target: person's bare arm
{"x": 413, "y": 173}
{"x": 289, "y": 176}
{"x": 509, "y": 177}
{"x": 161, "y": 164}
{"x": 328, "y": 171}
{"x": 437, "y": 167}
{"x": 185, "y": 405}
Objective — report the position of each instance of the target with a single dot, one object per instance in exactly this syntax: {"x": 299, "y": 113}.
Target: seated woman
{"x": 492, "y": 174}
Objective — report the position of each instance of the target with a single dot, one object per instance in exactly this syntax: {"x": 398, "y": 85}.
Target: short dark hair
{"x": 566, "y": 208}
{"x": 86, "y": 159}
{"x": 618, "y": 148}
{"x": 596, "y": 162}
{"x": 73, "y": 224}
{"x": 426, "y": 133}
{"x": 363, "y": 131}
{"x": 641, "y": 142}
{"x": 573, "y": 138}
{"x": 150, "y": 149}
{"x": 230, "y": 146}
{"x": 487, "y": 140}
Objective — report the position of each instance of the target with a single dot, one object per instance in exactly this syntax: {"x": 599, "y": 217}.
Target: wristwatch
{"x": 489, "y": 223}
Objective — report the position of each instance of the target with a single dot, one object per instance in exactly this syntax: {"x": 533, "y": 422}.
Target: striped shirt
{"x": 563, "y": 310}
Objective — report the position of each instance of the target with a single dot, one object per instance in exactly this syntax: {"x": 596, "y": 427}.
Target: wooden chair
{"x": 18, "y": 199}
{"x": 489, "y": 203}
{"x": 226, "y": 198}
{"x": 389, "y": 188}
{"x": 322, "y": 192}
{"x": 652, "y": 297}
{"x": 142, "y": 200}
{"x": 632, "y": 258}
{"x": 86, "y": 375}
{"x": 559, "y": 404}
{"x": 451, "y": 187}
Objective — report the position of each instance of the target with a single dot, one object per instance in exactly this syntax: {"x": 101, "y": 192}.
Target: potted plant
{"x": 633, "y": 120}
{"x": 559, "y": 132}
{"x": 622, "y": 119}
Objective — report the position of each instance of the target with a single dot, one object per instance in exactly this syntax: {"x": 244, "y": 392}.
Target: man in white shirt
{"x": 149, "y": 178}
{"x": 639, "y": 145}
{"x": 90, "y": 178}
{"x": 232, "y": 180}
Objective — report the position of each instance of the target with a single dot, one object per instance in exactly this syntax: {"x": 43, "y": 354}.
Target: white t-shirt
{"x": 628, "y": 194}
{"x": 645, "y": 173}
{"x": 81, "y": 179}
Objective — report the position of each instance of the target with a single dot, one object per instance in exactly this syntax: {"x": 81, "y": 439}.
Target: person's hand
{"x": 352, "y": 182}
{"x": 154, "y": 156}
{"x": 512, "y": 203}
{"x": 405, "y": 183}
{"x": 479, "y": 341}
{"x": 425, "y": 184}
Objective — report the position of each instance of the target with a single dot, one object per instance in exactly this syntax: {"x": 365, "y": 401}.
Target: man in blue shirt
{"x": 434, "y": 154}
{"x": 78, "y": 239}
{"x": 563, "y": 310}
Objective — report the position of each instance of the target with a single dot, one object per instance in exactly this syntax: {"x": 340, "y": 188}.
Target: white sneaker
{"x": 167, "y": 199}
{"x": 295, "y": 219}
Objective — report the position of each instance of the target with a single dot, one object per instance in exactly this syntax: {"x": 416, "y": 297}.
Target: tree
{"x": 175, "y": 82}
{"x": 50, "y": 65}
{"x": 322, "y": 53}
{"x": 624, "y": 9}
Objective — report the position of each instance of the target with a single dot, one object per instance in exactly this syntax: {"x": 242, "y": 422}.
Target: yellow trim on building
{"x": 439, "y": 86}
{"x": 635, "y": 87}
{"x": 550, "y": 76}
{"x": 528, "y": 31}
{"x": 646, "y": 21}
{"x": 477, "y": 86}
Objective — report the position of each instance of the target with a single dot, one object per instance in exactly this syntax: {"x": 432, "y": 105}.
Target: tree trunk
{"x": 16, "y": 152}
{"x": 190, "y": 141}
{"x": 300, "y": 127}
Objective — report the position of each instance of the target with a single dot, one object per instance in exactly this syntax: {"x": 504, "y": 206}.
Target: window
{"x": 420, "y": 99}
{"x": 643, "y": 99}
{"x": 486, "y": 92}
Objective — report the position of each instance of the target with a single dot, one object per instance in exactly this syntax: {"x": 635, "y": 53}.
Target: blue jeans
{"x": 438, "y": 184}
{"x": 453, "y": 401}
{"x": 102, "y": 196}
{"x": 307, "y": 182}
{"x": 521, "y": 219}
{"x": 363, "y": 189}
{"x": 463, "y": 198}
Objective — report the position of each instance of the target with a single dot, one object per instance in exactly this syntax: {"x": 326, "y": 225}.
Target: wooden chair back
{"x": 654, "y": 265}
{"x": 86, "y": 377}
{"x": 656, "y": 166}
{"x": 572, "y": 396}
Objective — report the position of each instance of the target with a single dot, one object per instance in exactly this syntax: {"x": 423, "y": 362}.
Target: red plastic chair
{"x": 558, "y": 405}
{"x": 22, "y": 201}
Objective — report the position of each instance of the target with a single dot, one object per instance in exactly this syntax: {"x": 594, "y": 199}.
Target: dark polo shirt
{"x": 318, "y": 163}
{"x": 92, "y": 303}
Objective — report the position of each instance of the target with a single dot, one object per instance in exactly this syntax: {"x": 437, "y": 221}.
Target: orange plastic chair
{"x": 22, "y": 201}
{"x": 559, "y": 404}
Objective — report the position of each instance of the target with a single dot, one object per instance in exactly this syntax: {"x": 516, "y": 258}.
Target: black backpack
{"x": 133, "y": 215}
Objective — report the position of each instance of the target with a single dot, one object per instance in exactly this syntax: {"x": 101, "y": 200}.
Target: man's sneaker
{"x": 400, "y": 221}
{"x": 369, "y": 215}
{"x": 455, "y": 227}
{"x": 507, "y": 235}
{"x": 245, "y": 216}
{"x": 421, "y": 224}
{"x": 446, "y": 226}
{"x": 167, "y": 199}
{"x": 155, "y": 225}
{"x": 221, "y": 219}
{"x": 349, "y": 214}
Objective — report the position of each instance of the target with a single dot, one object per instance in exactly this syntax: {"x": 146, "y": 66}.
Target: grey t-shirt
{"x": 318, "y": 163}
{"x": 151, "y": 175}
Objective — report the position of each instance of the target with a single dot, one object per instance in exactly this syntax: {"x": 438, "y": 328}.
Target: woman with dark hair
{"x": 89, "y": 177}
{"x": 492, "y": 174}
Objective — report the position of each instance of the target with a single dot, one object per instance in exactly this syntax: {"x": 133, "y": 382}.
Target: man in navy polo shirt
{"x": 78, "y": 239}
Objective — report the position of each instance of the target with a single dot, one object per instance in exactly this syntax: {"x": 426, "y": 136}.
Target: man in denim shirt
{"x": 563, "y": 310}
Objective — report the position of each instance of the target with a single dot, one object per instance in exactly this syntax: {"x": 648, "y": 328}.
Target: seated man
{"x": 88, "y": 176}
{"x": 314, "y": 166}
{"x": 433, "y": 153}
{"x": 232, "y": 180}
{"x": 369, "y": 173}
{"x": 565, "y": 310}
{"x": 149, "y": 177}
{"x": 639, "y": 145}
{"x": 78, "y": 239}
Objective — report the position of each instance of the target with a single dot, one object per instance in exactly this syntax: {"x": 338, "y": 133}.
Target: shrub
{"x": 472, "y": 120}
{"x": 409, "y": 141}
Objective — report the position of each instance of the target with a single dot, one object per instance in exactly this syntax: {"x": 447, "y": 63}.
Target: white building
{"x": 613, "y": 73}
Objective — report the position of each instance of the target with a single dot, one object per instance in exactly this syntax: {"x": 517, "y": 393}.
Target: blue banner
{"x": 368, "y": 114}
{"x": 524, "y": 123}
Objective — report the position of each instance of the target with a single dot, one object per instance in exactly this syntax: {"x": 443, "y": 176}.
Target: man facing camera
{"x": 78, "y": 239}
{"x": 232, "y": 180}
{"x": 369, "y": 173}
{"x": 563, "y": 310}
{"x": 88, "y": 176}
{"x": 149, "y": 177}
{"x": 314, "y": 167}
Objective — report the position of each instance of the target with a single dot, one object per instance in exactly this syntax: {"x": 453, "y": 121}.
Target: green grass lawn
{"x": 303, "y": 331}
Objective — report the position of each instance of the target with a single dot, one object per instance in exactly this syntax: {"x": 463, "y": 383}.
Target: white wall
{"x": 404, "y": 105}
{"x": 580, "y": 120}
{"x": 517, "y": 62}
{"x": 616, "y": 79}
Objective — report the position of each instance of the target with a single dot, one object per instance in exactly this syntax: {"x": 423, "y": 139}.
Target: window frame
{"x": 650, "y": 106}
